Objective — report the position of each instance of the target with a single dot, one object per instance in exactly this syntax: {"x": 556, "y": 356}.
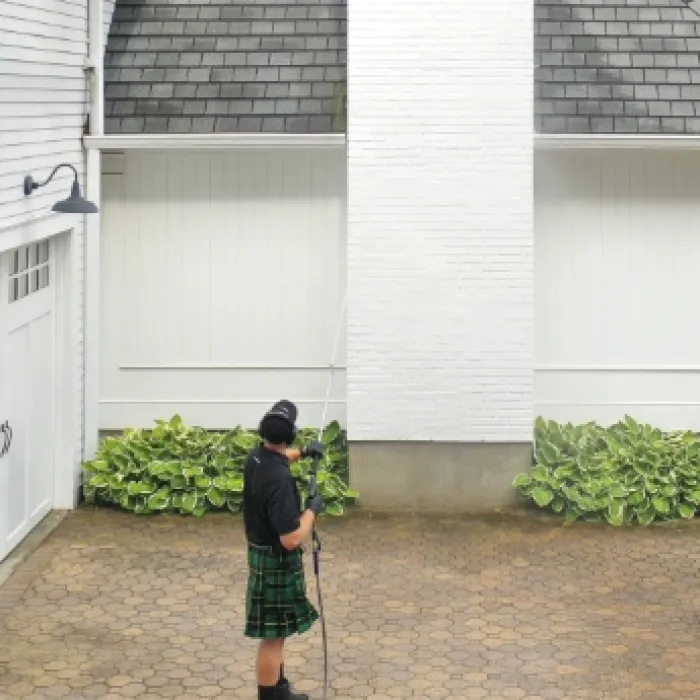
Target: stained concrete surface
{"x": 437, "y": 477}
{"x": 116, "y": 606}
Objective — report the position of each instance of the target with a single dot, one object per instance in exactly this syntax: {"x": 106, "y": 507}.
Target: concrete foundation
{"x": 435, "y": 477}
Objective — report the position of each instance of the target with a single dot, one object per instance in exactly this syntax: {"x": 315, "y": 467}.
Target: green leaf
{"x": 558, "y": 504}
{"x": 160, "y": 500}
{"x": 99, "y": 481}
{"x": 542, "y": 496}
{"x": 189, "y": 502}
{"x": 331, "y": 433}
{"x": 547, "y": 454}
{"x": 521, "y": 480}
{"x": 334, "y": 509}
{"x": 216, "y": 497}
{"x": 136, "y": 488}
{"x": 234, "y": 484}
{"x": 540, "y": 474}
{"x": 178, "y": 482}
{"x": 618, "y": 491}
{"x": 202, "y": 482}
{"x": 661, "y": 505}
{"x": 686, "y": 511}
{"x": 616, "y": 513}
{"x": 646, "y": 516}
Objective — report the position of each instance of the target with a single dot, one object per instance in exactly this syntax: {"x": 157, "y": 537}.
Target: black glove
{"x": 314, "y": 450}
{"x": 315, "y": 504}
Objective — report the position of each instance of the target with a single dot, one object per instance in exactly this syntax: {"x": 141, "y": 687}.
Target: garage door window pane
{"x": 44, "y": 277}
{"x": 29, "y": 270}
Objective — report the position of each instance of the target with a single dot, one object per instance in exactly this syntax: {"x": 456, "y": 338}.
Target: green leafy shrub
{"x": 626, "y": 473}
{"x": 179, "y": 469}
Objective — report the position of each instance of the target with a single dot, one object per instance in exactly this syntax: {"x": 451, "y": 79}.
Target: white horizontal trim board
{"x": 616, "y": 285}
{"x": 214, "y": 141}
{"x": 223, "y": 275}
{"x": 671, "y": 369}
{"x": 243, "y": 366}
{"x": 617, "y": 141}
{"x": 228, "y": 402}
{"x": 213, "y": 415}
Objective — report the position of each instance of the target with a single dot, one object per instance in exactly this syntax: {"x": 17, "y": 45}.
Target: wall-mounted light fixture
{"x": 74, "y": 204}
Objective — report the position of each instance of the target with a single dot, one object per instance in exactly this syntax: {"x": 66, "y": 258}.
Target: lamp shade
{"x": 74, "y": 203}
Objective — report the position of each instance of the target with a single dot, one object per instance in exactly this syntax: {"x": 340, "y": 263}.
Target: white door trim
{"x": 68, "y": 448}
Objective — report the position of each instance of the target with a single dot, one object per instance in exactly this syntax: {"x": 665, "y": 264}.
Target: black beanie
{"x": 276, "y": 430}
{"x": 277, "y": 425}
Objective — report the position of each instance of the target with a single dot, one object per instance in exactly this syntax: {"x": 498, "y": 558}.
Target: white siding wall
{"x": 440, "y": 239}
{"x": 42, "y": 110}
{"x": 42, "y": 100}
{"x": 223, "y": 276}
{"x": 617, "y": 287}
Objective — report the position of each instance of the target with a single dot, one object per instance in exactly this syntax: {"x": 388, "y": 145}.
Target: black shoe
{"x": 286, "y": 692}
{"x": 270, "y": 693}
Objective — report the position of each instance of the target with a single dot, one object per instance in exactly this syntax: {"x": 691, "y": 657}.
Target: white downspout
{"x": 91, "y": 267}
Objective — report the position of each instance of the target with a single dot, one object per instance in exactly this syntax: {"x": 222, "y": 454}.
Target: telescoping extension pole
{"x": 313, "y": 487}
{"x": 316, "y": 543}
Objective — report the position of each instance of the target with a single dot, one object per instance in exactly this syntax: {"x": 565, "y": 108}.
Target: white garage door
{"x": 617, "y": 287}
{"x": 27, "y": 390}
{"x": 222, "y": 278}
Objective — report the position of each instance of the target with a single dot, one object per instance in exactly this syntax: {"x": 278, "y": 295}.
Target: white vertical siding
{"x": 42, "y": 110}
{"x": 223, "y": 277}
{"x": 440, "y": 239}
{"x": 617, "y": 285}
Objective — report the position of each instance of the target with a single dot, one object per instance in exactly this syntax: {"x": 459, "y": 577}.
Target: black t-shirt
{"x": 270, "y": 497}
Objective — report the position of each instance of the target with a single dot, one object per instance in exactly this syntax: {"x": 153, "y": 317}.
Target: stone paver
{"x": 116, "y": 606}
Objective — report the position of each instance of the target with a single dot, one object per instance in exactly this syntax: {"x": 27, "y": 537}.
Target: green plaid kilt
{"x": 276, "y": 602}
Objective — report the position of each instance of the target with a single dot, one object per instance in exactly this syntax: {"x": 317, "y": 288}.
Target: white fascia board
{"x": 659, "y": 142}
{"x": 123, "y": 142}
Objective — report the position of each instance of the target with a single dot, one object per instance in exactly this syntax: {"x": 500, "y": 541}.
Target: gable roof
{"x": 226, "y": 66}
{"x": 616, "y": 66}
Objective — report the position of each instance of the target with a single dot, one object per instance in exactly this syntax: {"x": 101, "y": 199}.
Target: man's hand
{"x": 314, "y": 450}
{"x": 315, "y": 504}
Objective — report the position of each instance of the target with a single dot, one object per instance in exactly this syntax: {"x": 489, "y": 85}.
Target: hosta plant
{"x": 625, "y": 473}
{"x": 180, "y": 469}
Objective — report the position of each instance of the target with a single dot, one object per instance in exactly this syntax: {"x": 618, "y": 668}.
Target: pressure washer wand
{"x": 316, "y": 540}
{"x": 313, "y": 485}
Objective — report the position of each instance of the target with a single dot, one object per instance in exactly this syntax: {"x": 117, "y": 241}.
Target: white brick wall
{"x": 440, "y": 214}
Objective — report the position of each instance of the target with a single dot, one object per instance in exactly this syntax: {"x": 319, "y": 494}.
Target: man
{"x": 276, "y": 602}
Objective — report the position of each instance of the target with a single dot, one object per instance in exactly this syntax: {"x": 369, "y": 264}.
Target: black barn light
{"x": 73, "y": 204}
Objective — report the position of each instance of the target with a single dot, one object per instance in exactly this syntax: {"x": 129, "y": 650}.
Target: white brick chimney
{"x": 440, "y": 238}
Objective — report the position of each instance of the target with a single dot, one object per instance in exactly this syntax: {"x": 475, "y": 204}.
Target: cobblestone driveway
{"x": 115, "y": 606}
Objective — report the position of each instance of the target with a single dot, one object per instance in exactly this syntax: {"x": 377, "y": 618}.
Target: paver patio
{"x": 115, "y": 606}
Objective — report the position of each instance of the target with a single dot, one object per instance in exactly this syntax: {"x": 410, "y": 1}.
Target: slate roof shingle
{"x": 616, "y": 66}
{"x": 203, "y": 66}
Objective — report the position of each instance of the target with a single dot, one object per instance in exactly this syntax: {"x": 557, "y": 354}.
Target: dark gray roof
{"x": 612, "y": 66}
{"x": 186, "y": 66}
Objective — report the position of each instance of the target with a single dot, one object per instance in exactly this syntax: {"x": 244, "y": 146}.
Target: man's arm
{"x": 283, "y": 510}
{"x": 293, "y": 540}
{"x": 315, "y": 449}
{"x": 293, "y": 455}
